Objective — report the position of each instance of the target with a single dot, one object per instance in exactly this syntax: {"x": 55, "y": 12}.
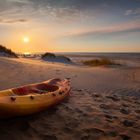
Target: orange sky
{"x": 74, "y": 26}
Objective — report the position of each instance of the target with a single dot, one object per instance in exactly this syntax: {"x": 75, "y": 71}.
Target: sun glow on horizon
{"x": 26, "y": 53}
{"x": 26, "y": 39}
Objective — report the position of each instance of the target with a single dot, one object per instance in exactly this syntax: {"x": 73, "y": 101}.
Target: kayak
{"x": 32, "y": 98}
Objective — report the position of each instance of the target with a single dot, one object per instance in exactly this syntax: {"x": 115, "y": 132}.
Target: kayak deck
{"x": 32, "y": 98}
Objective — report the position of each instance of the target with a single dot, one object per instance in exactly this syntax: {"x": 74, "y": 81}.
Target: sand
{"x": 104, "y": 103}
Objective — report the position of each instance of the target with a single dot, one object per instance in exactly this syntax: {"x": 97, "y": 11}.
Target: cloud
{"x": 132, "y": 12}
{"x": 13, "y": 21}
{"x": 114, "y": 30}
{"x": 19, "y": 1}
{"x": 35, "y": 9}
{"x": 62, "y": 11}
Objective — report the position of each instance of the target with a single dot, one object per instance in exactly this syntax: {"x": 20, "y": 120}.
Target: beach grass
{"x": 52, "y": 55}
{"x": 100, "y": 62}
{"x": 48, "y": 55}
{"x": 7, "y": 51}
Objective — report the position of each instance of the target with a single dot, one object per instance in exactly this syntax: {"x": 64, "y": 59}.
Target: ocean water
{"x": 110, "y": 55}
{"x": 131, "y": 58}
{"x": 81, "y": 56}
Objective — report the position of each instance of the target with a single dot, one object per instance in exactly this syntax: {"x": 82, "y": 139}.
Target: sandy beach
{"x": 69, "y": 69}
{"x": 104, "y": 103}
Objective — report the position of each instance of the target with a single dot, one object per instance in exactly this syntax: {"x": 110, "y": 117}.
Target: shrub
{"x": 48, "y": 55}
{"x": 51, "y": 55}
{"x": 7, "y": 51}
{"x": 99, "y": 62}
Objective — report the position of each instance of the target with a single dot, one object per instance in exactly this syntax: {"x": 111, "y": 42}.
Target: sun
{"x": 26, "y": 39}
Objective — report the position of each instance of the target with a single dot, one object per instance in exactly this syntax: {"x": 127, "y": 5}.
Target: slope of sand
{"x": 104, "y": 102}
{"x": 58, "y": 59}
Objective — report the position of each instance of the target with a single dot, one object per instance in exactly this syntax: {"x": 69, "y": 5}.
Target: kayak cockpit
{"x": 35, "y": 89}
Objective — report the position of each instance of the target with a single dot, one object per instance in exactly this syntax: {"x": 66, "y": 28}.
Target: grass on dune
{"x": 5, "y": 50}
{"x": 100, "y": 62}
{"x": 52, "y": 55}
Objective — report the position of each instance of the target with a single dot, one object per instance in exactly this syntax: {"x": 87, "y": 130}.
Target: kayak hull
{"x": 30, "y": 100}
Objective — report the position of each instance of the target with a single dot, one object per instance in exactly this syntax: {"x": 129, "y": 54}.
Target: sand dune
{"x": 103, "y": 105}
{"x": 50, "y": 57}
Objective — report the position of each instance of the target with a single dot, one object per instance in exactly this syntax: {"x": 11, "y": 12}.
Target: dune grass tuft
{"x": 100, "y": 62}
{"x": 48, "y": 55}
{"x": 52, "y": 55}
{"x": 9, "y": 52}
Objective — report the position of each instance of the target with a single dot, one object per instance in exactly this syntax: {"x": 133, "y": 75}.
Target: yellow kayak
{"x": 32, "y": 98}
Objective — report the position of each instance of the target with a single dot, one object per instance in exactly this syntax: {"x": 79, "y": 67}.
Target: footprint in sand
{"x": 125, "y": 137}
{"x": 68, "y": 129}
{"x": 79, "y": 111}
{"x": 128, "y": 123}
{"x": 125, "y": 105}
{"x": 125, "y": 111}
{"x": 95, "y": 95}
{"x": 68, "y": 78}
{"x": 92, "y": 133}
{"x": 110, "y": 116}
{"x": 114, "y": 98}
{"x": 79, "y": 90}
{"x": 137, "y": 102}
{"x": 112, "y": 133}
{"x": 137, "y": 111}
{"x": 104, "y": 106}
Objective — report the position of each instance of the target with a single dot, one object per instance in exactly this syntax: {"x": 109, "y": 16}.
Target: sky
{"x": 70, "y": 25}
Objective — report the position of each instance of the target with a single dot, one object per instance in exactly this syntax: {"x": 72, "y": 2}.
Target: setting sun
{"x": 26, "y": 39}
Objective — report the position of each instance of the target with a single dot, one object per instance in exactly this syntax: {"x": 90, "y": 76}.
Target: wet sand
{"x": 104, "y": 103}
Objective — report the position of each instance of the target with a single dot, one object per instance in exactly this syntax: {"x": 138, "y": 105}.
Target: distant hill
{"x": 7, "y": 52}
{"x": 54, "y": 58}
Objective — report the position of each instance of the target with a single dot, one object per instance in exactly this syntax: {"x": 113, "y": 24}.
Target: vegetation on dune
{"x": 51, "y": 55}
{"x": 7, "y": 52}
{"x": 48, "y": 55}
{"x": 100, "y": 62}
